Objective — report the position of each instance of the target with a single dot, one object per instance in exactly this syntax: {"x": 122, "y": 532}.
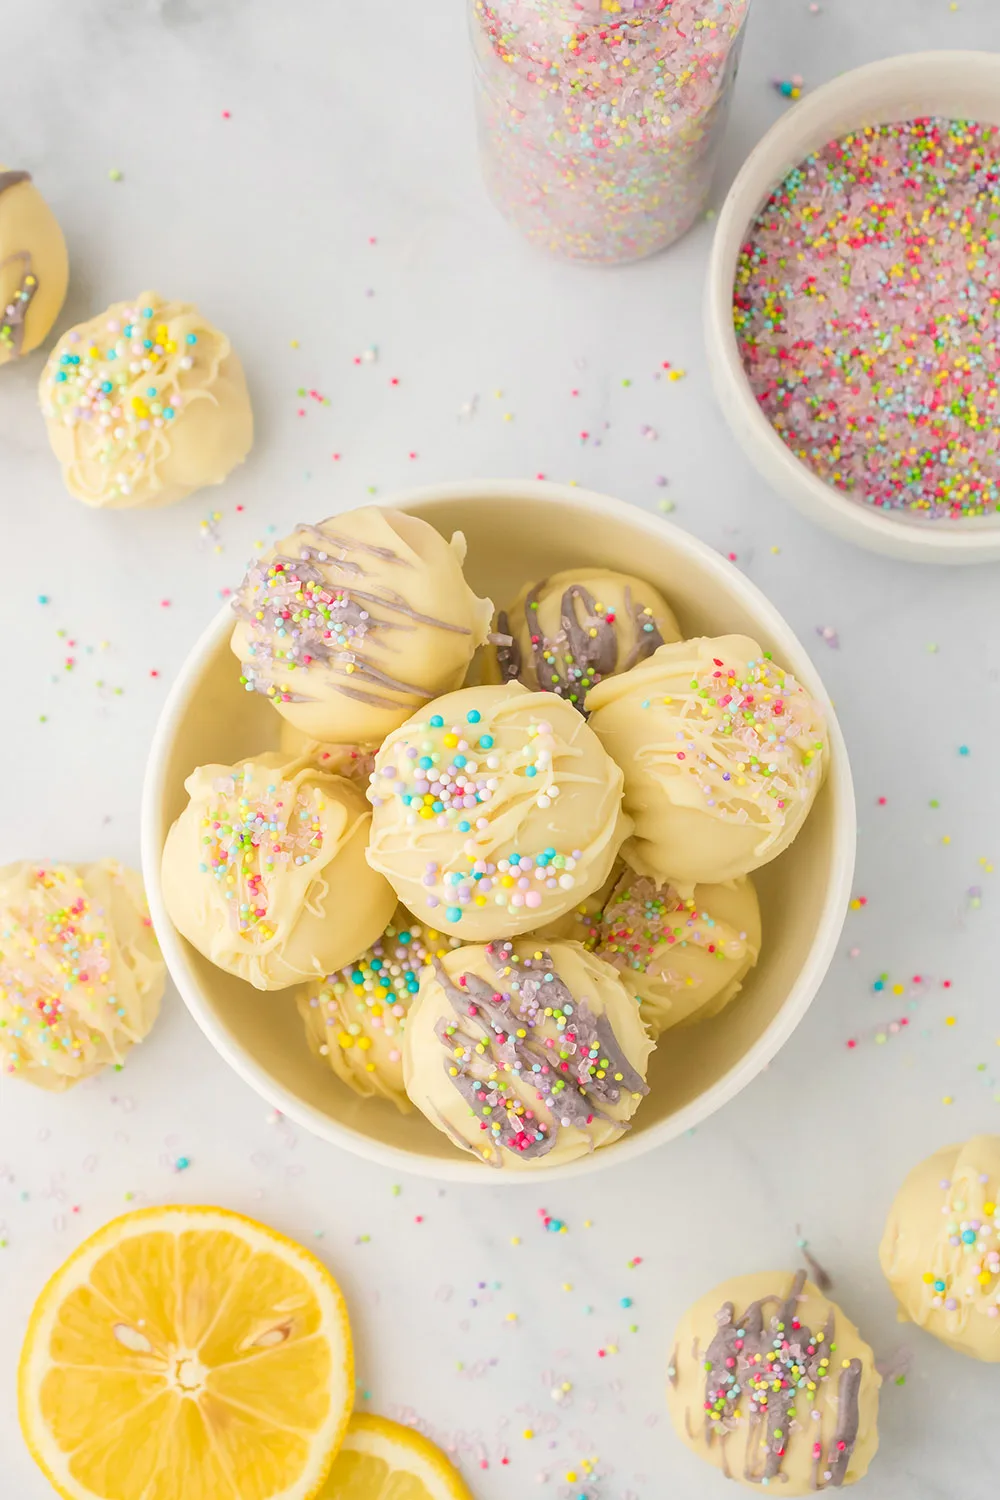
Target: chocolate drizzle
{"x": 586, "y": 648}
{"x": 12, "y": 178}
{"x": 308, "y": 609}
{"x": 766, "y": 1365}
{"x": 497, "y": 1036}
{"x": 16, "y": 310}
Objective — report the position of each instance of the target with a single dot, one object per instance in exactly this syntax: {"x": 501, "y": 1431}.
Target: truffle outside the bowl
{"x": 516, "y": 530}
{"x": 955, "y": 85}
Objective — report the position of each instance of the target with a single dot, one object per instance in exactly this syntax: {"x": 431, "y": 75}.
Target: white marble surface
{"x": 349, "y": 124}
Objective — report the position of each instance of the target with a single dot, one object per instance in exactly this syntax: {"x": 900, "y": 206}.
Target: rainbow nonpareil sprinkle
{"x": 866, "y": 309}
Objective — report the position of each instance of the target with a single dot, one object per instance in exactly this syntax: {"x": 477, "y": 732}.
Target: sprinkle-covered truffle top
{"x": 80, "y": 968}
{"x": 764, "y": 1366}
{"x": 526, "y": 1040}
{"x": 503, "y": 805}
{"x": 740, "y": 732}
{"x": 120, "y": 383}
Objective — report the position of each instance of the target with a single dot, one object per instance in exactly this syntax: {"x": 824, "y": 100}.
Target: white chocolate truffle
{"x": 350, "y": 626}
{"x": 264, "y": 872}
{"x": 144, "y": 404}
{"x": 527, "y": 1058}
{"x": 34, "y": 267}
{"x": 81, "y": 976}
{"x": 574, "y": 628}
{"x": 941, "y": 1249}
{"x": 772, "y": 1384}
{"x": 355, "y": 1018}
{"x": 353, "y": 761}
{"x": 685, "y": 958}
{"x": 496, "y": 810}
{"x": 723, "y": 754}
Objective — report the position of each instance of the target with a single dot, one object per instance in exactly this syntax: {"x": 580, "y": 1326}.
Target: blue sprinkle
{"x": 437, "y": 722}
{"x": 453, "y": 914}
{"x": 473, "y": 716}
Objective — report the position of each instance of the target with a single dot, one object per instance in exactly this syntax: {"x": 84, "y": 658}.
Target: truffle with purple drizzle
{"x": 772, "y": 1384}
{"x": 34, "y": 268}
{"x": 567, "y": 632}
{"x": 351, "y": 625}
{"x": 526, "y": 1057}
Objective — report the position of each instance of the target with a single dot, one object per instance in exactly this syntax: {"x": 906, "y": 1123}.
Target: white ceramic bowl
{"x": 518, "y": 531}
{"x": 957, "y": 85}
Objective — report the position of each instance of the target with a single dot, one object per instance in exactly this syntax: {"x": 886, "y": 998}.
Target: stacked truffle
{"x": 552, "y": 866}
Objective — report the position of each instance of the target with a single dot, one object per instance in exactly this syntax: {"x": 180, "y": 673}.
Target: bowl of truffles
{"x": 499, "y": 829}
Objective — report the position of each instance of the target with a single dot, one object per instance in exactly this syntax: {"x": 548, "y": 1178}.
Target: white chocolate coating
{"x": 350, "y": 626}
{"x": 941, "y": 1249}
{"x": 355, "y": 1018}
{"x": 757, "y": 1437}
{"x": 502, "y": 1063}
{"x": 34, "y": 267}
{"x": 580, "y": 923}
{"x": 265, "y": 872}
{"x": 495, "y": 810}
{"x": 685, "y": 958}
{"x": 81, "y": 976}
{"x": 353, "y": 761}
{"x": 144, "y": 404}
{"x": 574, "y": 628}
{"x": 723, "y": 754}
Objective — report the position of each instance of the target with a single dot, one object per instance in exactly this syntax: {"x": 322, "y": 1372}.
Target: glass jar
{"x": 600, "y": 120}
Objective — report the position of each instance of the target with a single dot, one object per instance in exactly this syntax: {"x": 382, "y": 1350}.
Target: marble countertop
{"x": 308, "y": 175}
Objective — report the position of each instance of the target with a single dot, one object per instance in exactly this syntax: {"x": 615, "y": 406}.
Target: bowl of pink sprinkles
{"x": 853, "y": 306}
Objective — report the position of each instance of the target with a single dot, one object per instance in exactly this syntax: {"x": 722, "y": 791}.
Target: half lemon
{"x": 187, "y": 1352}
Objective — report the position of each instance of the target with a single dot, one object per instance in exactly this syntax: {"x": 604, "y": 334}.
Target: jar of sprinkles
{"x": 600, "y": 120}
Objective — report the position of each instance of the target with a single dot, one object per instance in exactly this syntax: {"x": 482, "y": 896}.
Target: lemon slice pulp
{"x": 187, "y": 1352}
{"x": 380, "y": 1460}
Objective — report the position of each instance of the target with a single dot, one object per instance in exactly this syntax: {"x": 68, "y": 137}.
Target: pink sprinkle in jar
{"x": 600, "y": 120}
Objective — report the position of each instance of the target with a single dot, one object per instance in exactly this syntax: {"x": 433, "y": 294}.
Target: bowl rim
{"x": 975, "y": 540}
{"x": 628, "y": 1147}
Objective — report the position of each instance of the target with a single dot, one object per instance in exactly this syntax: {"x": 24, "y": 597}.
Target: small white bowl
{"x": 516, "y": 531}
{"x": 956, "y": 85}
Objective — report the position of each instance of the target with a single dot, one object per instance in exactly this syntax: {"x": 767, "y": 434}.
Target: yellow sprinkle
{"x": 528, "y": 1432}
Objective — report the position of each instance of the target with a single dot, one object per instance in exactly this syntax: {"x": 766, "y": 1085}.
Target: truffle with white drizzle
{"x": 145, "y": 404}
{"x": 526, "y": 1057}
{"x": 941, "y": 1249}
{"x": 264, "y": 872}
{"x": 495, "y": 810}
{"x": 723, "y": 753}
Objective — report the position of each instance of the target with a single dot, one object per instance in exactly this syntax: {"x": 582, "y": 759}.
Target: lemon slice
{"x": 380, "y": 1460}
{"x": 187, "y": 1352}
